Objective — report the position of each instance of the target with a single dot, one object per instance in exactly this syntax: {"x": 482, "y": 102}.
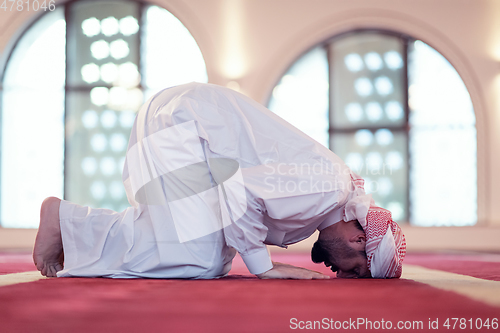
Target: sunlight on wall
{"x": 494, "y": 31}
{"x": 234, "y": 60}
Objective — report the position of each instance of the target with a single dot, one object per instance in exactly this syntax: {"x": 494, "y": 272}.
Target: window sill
{"x": 17, "y": 239}
{"x": 419, "y": 239}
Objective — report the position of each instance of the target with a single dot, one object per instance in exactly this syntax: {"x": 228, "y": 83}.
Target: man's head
{"x": 341, "y": 246}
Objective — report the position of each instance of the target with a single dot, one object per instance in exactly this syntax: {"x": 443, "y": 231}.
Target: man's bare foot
{"x": 48, "y": 253}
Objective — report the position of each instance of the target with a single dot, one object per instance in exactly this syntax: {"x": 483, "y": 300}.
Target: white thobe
{"x": 208, "y": 172}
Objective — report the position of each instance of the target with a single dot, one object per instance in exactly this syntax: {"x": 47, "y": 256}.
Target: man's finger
{"x": 316, "y": 274}
{"x": 320, "y": 276}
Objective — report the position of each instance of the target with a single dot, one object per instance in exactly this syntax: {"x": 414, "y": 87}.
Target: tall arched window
{"x": 399, "y": 115}
{"x": 70, "y": 91}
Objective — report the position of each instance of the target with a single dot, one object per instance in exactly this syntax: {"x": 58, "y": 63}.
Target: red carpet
{"x": 483, "y": 266}
{"x": 238, "y": 303}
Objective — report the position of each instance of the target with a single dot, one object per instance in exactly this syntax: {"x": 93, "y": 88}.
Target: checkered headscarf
{"x": 385, "y": 242}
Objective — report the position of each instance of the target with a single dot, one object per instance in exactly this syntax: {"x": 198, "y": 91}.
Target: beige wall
{"x": 253, "y": 42}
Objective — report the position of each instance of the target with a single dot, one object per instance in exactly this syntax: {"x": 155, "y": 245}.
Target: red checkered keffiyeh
{"x": 385, "y": 242}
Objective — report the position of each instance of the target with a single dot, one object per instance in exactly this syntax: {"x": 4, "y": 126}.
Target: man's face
{"x": 342, "y": 247}
{"x": 353, "y": 268}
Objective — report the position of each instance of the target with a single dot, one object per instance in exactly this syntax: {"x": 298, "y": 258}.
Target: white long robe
{"x": 208, "y": 172}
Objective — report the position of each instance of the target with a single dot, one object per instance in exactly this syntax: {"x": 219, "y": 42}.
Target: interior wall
{"x": 253, "y": 42}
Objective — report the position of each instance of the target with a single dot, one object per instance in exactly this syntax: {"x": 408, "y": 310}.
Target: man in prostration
{"x": 208, "y": 173}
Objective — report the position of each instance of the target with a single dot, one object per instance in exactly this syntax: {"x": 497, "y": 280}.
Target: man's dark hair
{"x": 333, "y": 250}
{"x": 357, "y": 225}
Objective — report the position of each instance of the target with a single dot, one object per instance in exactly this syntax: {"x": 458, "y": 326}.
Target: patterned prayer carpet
{"x": 435, "y": 289}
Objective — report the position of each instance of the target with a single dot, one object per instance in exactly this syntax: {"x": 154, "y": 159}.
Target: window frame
{"x": 65, "y": 8}
{"x": 404, "y": 127}
{"x": 86, "y": 88}
{"x": 406, "y": 40}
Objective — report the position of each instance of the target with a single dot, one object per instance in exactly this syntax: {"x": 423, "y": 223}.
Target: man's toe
{"x": 39, "y": 265}
{"x": 52, "y": 271}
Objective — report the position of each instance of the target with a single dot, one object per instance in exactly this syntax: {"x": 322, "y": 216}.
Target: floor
{"x": 437, "y": 293}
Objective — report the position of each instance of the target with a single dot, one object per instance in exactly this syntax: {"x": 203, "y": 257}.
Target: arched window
{"x": 70, "y": 91}
{"x": 399, "y": 115}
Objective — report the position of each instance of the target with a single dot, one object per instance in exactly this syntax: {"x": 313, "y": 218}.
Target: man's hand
{"x": 285, "y": 271}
